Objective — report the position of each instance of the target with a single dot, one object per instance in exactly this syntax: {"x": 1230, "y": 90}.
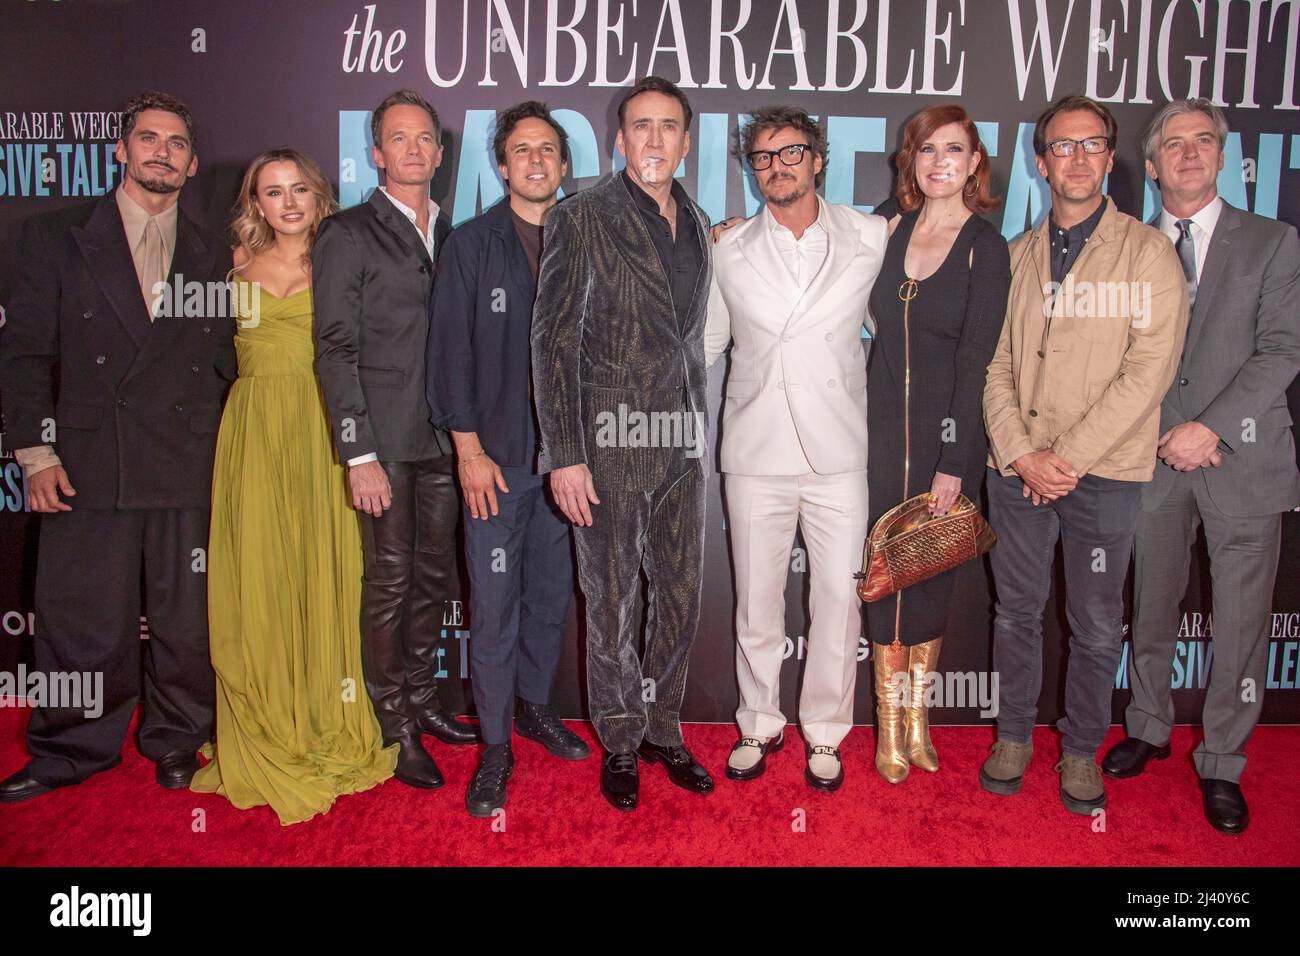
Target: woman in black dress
{"x": 938, "y": 304}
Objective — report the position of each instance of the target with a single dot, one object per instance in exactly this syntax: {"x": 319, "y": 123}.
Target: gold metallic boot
{"x": 922, "y": 659}
{"x": 891, "y": 754}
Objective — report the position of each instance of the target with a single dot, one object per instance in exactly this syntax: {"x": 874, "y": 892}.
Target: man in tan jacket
{"x": 1095, "y": 325}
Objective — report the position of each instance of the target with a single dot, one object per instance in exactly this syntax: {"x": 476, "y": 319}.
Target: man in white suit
{"x": 789, "y": 293}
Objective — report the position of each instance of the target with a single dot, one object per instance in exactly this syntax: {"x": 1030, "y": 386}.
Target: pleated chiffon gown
{"x": 294, "y": 726}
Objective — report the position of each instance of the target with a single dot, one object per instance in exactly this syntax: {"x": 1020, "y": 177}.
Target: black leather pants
{"x": 410, "y": 554}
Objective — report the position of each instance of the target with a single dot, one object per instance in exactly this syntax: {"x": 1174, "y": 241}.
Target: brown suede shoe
{"x": 1081, "y": 787}
{"x": 1003, "y": 772}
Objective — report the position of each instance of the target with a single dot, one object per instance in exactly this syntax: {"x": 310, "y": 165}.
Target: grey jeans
{"x": 1096, "y": 523}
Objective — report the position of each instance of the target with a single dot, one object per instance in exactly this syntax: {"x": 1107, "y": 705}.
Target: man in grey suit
{"x": 619, "y": 383}
{"x": 1228, "y": 459}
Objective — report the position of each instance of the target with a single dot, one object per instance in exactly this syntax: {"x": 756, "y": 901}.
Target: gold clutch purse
{"x": 908, "y": 545}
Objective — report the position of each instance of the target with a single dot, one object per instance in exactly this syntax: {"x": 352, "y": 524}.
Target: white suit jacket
{"x": 797, "y": 392}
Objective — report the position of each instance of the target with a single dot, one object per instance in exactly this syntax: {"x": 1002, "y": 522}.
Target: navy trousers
{"x": 521, "y": 585}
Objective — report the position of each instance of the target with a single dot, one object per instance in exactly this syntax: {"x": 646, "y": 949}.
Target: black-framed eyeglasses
{"x": 1092, "y": 145}
{"x": 791, "y": 155}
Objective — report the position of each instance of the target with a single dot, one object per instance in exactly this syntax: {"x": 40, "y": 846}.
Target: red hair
{"x": 976, "y": 193}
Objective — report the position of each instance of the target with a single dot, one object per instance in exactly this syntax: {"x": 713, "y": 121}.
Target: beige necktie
{"x": 149, "y": 262}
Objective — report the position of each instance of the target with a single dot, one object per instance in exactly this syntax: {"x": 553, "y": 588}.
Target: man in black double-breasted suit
{"x": 372, "y": 279}
{"x": 119, "y": 458}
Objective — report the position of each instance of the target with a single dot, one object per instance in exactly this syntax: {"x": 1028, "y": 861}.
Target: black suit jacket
{"x": 138, "y": 402}
{"x": 478, "y": 356}
{"x": 372, "y": 281}
{"x": 605, "y": 335}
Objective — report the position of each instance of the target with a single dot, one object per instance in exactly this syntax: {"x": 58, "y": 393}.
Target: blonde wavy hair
{"x": 249, "y": 227}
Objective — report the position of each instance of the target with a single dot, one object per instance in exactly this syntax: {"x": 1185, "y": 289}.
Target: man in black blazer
{"x": 120, "y": 460}
{"x": 372, "y": 275}
{"x": 618, "y": 353}
{"x": 1227, "y": 460}
{"x": 518, "y": 545}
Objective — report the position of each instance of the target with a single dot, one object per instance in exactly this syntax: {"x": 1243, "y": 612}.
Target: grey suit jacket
{"x": 372, "y": 282}
{"x": 1241, "y": 354}
{"x": 605, "y": 335}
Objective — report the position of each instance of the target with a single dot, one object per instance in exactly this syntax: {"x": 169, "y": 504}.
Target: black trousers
{"x": 661, "y": 531}
{"x": 88, "y": 577}
{"x": 410, "y": 557}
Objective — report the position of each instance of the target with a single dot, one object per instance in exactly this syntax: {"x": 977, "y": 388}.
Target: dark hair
{"x": 1074, "y": 104}
{"x": 655, "y": 84}
{"x": 767, "y": 119}
{"x": 158, "y": 101}
{"x": 507, "y": 120}
{"x": 975, "y": 192}
{"x": 402, "y": 98}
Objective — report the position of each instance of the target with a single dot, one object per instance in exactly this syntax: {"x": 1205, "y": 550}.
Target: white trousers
{"x": 763, "y": 512}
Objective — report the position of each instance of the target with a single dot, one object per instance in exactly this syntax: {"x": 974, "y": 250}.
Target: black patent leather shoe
{"x": 683, "y": 769}
{"x": 415, "y": 767}
{"x": 538, "y": 723}
{"x": 618, "y": 780}
{"x": 487, "y": 788}
{"x": 1225, "y": 806}
{"x": 1130, "y": 756}
{"x": 755, "y": 771}
{"x": 22, "y": 786}
{"x": 824, "y": 783}
{"x": 175, "y": 770}
{"x": 449, "y": 730}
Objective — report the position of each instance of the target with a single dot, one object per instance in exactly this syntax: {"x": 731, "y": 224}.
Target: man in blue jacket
{"x": 517, "y": 544}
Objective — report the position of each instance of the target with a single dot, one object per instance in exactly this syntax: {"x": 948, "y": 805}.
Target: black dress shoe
{"x": 538, "y": 723}
{"x": 1129, "y": 757}
{"x": 487, "y": 788}
{"x": 415, "y": 767}
{"x": 175, "y": 770}
{"x": 21, "y": 786}
{"x": 449, "y": 730}
{"x": 681, "y": 766}
{"x": 824, "y": 783}
{"x": 1225, "y": 806}
{"x": 618, "y": 780}
{"x": 770, "y": 746}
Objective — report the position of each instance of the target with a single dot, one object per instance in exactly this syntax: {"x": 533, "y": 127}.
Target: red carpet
{"x": 557, "y": 817}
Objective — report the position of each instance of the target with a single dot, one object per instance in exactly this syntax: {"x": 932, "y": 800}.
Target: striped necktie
{"x": 1186, "y": 250}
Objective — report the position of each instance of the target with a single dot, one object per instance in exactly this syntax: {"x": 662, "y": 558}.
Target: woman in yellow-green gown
{"x": 294, "y": 726}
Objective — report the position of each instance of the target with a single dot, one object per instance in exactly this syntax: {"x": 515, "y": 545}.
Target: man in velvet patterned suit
{"x": 617, "y": 338}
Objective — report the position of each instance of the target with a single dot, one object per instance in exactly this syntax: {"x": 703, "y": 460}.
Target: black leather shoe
{"x": 1129, "y": 757}
{"x": 618, "y": 780}
{"x": 769, "y": 746}
{"x": 682, "y": 768}
{"x": 537, "y": 723}
{"x": 824, "y": 783}
{"x": 487, "y": 788}
{"x": 449, "y": 730}
{"x": 1225, "y": 806}
{"x": 21, "y": 786}
{"x": 175, "y": 770}
{"x": 415, "y": 767}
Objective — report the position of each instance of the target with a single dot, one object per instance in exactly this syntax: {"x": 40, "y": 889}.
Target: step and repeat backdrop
{"x": 306, "y": 73}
